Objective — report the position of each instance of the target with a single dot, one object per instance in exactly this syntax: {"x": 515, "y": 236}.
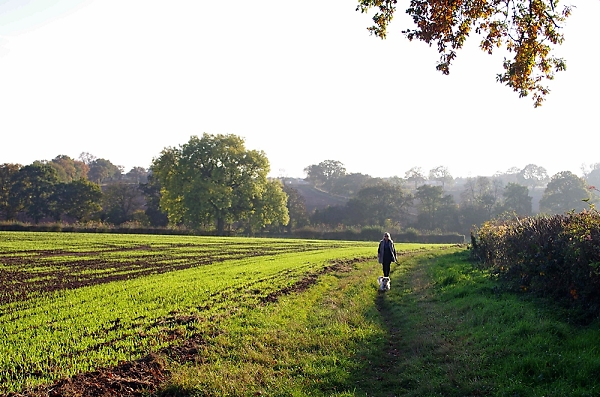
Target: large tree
{"x": 517, "y": 199}
{"x": 441, "y": 175}
{"x": 269, "y": 208}
{"x": 102, "y": 170}
{"x": 430, "y": 199}
{"x": 479, "y": 200}
{"x": 211, "y": 180}
{"x": 33, "y": 190}
{"x": 526, "y": 28}
{"x": 68, "y": 169}
{"x": 565, "y": 192}
{"x": 533, "y": 176}
{"x": 79, "y": 199}
{"x": 325, "y": 173}
{"x": 436, "y": 209}
{"x": 137, "y": 175}
{"x": 416, "y": 175}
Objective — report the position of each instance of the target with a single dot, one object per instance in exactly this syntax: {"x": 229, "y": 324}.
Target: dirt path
{"x": 417, "y": 339}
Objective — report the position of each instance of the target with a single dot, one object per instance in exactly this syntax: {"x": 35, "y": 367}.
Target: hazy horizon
{"x": 273, "y": 175}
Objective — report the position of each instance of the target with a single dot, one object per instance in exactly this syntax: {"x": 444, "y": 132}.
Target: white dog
{"x": 384, "y": 283}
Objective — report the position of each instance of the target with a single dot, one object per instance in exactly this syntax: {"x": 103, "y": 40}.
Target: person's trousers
{"x": 386, "y": 269}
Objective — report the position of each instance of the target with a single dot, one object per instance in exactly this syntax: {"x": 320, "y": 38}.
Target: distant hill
{"x": 315, "y": 198}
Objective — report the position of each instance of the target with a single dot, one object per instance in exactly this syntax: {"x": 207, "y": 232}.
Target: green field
{"x": 131, "y": 315}
{"x": 72, "y": 303}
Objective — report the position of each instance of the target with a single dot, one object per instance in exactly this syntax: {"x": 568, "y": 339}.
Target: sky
{"x": 302, "y": 81}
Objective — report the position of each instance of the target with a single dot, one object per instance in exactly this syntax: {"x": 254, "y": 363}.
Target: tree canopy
{"x": 441, "y": 174}
{"x": 527, "y": 29}
{"x": 436, "y": 209}
{"x": 533, "y": 176}
{"x": 215, "y": 179}
{"x": 324, "y": 173}
{"x": 565, "y": 192}
{"x": 33, "y": 189}
{"x": 79, "y": 199}
{"x": 517, "y": 199}
{"x": 416, "y": 175}
{"x": 68, "y": 169}
{"x": 380, "y": 203}
{"x": 101, "y": 170}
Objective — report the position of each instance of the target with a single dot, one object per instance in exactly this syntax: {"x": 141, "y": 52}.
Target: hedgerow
{"x": 556, "y": 256}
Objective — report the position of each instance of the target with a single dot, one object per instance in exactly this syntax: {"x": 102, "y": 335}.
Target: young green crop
{"x": 75, "y": 302}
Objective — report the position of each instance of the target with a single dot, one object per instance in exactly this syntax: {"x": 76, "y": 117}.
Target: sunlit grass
{"x": 443, "y": 330}
{"x": 304, "y": 344}
{"x": 48, "y": 335}
{"x": 446, "y": 328}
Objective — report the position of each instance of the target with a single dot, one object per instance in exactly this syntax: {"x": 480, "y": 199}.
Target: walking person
{"x": 386, "y": 253}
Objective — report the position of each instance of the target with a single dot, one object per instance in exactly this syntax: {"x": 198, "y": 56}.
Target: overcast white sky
{"x": 302, "y": 81}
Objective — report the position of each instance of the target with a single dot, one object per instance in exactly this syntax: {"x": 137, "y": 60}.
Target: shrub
{"x": 556, "y": 255}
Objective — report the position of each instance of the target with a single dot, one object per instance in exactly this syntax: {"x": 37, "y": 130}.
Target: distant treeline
{"x": 213, "y": 185}
{"x": 438, "y": 202}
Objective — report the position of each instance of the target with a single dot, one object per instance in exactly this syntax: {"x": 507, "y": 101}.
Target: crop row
{"x": 35, "y": 263}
